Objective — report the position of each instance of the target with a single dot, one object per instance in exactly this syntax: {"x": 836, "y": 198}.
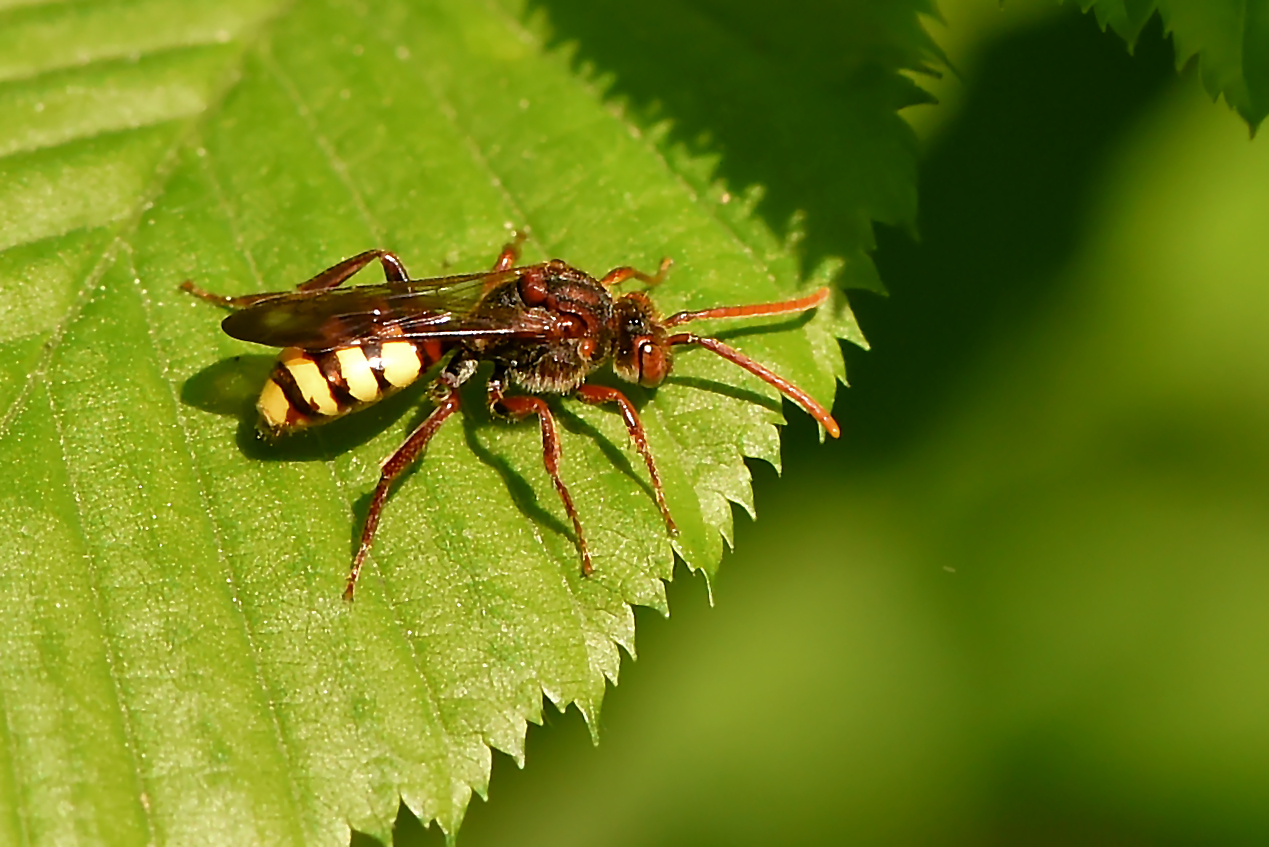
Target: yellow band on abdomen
{"x": 355, "y": 368}
{"x": 273, "y": 406}
{"x": 401, "y": 365}
{"x": 308, "y": 378}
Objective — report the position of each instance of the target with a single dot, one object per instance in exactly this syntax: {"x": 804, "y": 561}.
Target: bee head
{"x": 641, "y": 353}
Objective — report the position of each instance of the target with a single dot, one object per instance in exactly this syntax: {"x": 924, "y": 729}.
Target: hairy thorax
{"x": 579, "y": 311}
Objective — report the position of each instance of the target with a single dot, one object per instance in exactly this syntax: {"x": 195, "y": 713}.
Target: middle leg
{"x": 510, "y": 252}
{"x": 597, "y": 394}
{"x": 520, "y": 406}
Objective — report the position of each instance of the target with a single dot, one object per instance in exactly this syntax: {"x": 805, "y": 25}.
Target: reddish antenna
{"x": 757, "y": 310}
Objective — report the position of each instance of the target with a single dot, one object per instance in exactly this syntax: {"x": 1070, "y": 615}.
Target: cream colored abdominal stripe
{"x": 319, "y": 380}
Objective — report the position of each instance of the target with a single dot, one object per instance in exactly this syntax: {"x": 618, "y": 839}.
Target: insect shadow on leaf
{"x": 228, "y": 387}
{"x": 613, "y": 453}
{"x": 522, "y": 492}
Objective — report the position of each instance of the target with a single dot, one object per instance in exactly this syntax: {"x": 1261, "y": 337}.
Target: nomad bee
{"x": 545, "y": 328}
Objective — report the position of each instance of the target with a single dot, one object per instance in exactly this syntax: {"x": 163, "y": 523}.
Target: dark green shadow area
{"x": 801, "y": 104}
{"x": 1003, "y": 197}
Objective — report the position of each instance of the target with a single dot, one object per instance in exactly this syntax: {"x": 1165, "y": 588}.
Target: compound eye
{"x": 654, "y": 365}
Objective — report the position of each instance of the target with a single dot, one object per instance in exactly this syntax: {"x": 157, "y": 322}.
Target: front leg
{"x": 510, "y": 252}
{"x": 598, "y": 394}
{"x": 521, "y": 406}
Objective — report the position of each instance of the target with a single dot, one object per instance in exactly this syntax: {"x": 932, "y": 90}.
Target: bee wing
{"x": 486, "y": 322}
{"x": 330, "y": 318}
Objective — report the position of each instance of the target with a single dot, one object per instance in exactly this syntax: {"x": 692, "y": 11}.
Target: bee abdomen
{"x": 306, "y": 389}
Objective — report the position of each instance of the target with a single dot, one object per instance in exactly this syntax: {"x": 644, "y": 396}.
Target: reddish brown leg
{"x": 597, "y": 394}
{"x": 510, "y": 252}
{"x": 616, "y": 276}
{"x": 788, "y": 389}
{"x": 333, "y": 276}
{"x": 521, "y": 406}
{"x": 392, "y": 468}
{"x": 506, "y": 260}
{"x": 393, "y": 270}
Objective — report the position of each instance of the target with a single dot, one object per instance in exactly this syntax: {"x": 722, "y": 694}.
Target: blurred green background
{"x": 1023, "y": 600}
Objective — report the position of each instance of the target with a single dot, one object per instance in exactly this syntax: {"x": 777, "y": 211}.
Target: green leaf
{"x": 179, "y": 665}
{"x": 1229, "y": 37}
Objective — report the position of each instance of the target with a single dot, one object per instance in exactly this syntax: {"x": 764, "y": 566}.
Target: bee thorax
{"x": 549, "y": 377}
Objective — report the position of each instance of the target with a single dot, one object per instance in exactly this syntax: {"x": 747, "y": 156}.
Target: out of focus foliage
{"x": 1229, "y": 39}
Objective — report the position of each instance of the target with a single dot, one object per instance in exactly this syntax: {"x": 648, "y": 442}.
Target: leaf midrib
{"x": 341, "y": 172}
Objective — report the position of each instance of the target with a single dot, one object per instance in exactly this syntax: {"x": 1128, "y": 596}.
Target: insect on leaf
{"x": 179, "y": 664}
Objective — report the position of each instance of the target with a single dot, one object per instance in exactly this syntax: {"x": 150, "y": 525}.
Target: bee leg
{"x": 447, "y": 404}
{"x": 616, "y": 276}
{"x": 598, "y": 394}
{"x": 220, "y": 299}
{"x": 510, "y": 251}
{"x": 521, "y": 406}
{"x": 335, "y": 275}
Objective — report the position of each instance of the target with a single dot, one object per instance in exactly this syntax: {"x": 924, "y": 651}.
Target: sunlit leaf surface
{"x": 178, "y": 664}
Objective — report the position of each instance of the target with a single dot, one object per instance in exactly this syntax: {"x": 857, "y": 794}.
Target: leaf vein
{"x": 6, "y": 743}
{"x": 99, "y": 610}
{"x": 341, "y": 171}
{"x": 240, "y": 242}
{"x": 204, "y": 494}
{"x": 333, "y": 160}
{"x": 478, "y": 156}
{"x": 126, "y": 225}
{"x": 40, "y": 370}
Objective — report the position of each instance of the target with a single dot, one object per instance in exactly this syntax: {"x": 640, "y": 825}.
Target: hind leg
{"x": 335, "y": 275}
